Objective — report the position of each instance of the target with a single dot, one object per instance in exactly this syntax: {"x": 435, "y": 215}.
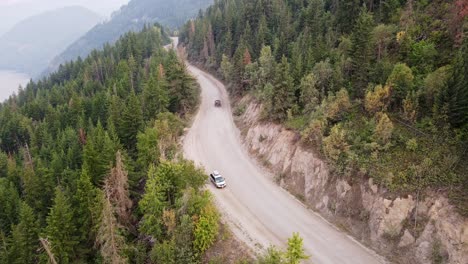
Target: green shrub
{"x": 412, "y": 145}
{"x": 384, "y": 129}
{"x": 336, "y": 145}
{"x": 206, "y": 229}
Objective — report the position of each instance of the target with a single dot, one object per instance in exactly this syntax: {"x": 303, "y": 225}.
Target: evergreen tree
{"x": 10, "y": 204}
{"x": 38, "y": 187}
{"x": 361, "y": 50}
{"x": 283, "y": 97}
{"x": 98, "y": 154}
{"x": 324, "y": 73}
{"x": 263, "y": 33}
{"x": 310, "y": 96}
{"x": 148, "y": 149}
{"x": 115, "y": 112}
{"x": 238, "y": 67}
{"x": 206, "y": 229}
{"x": 164, "y": 252}
{"x": 454, "y": 97}
{"x": 183, "y": 92}
{"x": 347, "y": 13}
{"x": 382, "y": 36}
{"x": 183, "y": 237}
{"x": 85, "y": 198}
{"x": 155, "y": 98}
{"x": 4, "y": 254}
{"x": 295, "y": 252}
{"x": 124, "y": 84}
{"x": 25, "y": 239}
{"x": 60, "y": 230}
{"x": 226, "y": 68}
{"x": 3, "y": 163}
{"x": 132, "y": 122}
{"x": 228, "y": 43}
{"x": 152, "y": 204}
{"x": 266, "y": 66}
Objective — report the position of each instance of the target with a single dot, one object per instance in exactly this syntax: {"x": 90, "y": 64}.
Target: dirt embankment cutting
{"x": 404, "y": 230}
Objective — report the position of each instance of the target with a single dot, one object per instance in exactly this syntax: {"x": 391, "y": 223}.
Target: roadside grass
{"x": 227, "y": 249}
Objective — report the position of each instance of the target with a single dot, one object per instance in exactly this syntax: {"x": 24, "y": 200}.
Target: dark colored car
{"x": 217, "y": 103}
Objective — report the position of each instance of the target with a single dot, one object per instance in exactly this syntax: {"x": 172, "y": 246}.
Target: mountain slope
{"x": 132, "y": 17}
{"x": 381, "y": 87}
{"x": 31, "y": 44}
{"x": 377, "y": 92}
{"x": 13, "y": 12}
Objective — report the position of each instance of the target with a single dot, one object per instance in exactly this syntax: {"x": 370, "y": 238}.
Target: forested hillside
{"x": 379, "y": 87}
{"x": 88, "y": 166}
{"x": 132, "y": 17}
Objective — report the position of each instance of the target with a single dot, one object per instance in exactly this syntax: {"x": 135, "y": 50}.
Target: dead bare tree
{"x": 28, "y": 161}
{"x": 108, "y": 239}
{"x": 47, "y": 248}
{"x": 116, "y": 189}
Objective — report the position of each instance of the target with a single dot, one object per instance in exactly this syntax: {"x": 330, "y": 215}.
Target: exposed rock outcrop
{"x": 426, "y": 228}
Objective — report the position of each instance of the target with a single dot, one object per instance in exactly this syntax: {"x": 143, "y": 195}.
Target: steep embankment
{"x": 405, "y": 230}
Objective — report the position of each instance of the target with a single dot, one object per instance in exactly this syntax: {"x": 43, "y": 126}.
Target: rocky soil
{"x": 401, "y": 228}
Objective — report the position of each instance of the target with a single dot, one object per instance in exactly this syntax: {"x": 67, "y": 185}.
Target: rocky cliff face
{"x": 405, "y": 229}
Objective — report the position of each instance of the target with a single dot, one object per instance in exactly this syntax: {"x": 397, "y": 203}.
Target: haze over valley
{"x": 33, "y": 32}
{"x": 9, "y": 83}
{"x": 30, "y": 45}
{"x": 13, "y": 11}
{"x": 131, "y": 17}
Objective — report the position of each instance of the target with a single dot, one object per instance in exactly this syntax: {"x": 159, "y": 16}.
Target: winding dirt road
{"x": 258, "y": 211}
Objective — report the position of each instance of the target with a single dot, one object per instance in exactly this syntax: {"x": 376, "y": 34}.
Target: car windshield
{"x": 219, "y": 179}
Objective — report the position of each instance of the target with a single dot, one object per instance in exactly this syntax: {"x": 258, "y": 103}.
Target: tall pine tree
{"x": 61, "y": 230}
{"x": 98, "y": 154}
{"x": 25, "y": 239}
{"x": 454, "y": 98}
{"x": 155, "y": 97}
{"x": 85, "y": 198}
{"x": 283, "y": 96}
{"x": 9, "y": 201}
{"x": 362, "y": 51}
{"x": 132, "y": 122}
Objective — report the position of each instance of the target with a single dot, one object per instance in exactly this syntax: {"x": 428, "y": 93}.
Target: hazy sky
{"x": 13, "y": 11}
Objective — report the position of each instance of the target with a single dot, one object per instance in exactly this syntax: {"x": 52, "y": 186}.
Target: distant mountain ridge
{"x": 31, "y": 44}
{"x": 131, "y": 17}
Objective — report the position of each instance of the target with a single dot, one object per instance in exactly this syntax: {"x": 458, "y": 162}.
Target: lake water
{"x": 9, "y": 83}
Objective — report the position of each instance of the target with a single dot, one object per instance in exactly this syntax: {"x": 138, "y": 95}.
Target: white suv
{"x": 217, "y": 179}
